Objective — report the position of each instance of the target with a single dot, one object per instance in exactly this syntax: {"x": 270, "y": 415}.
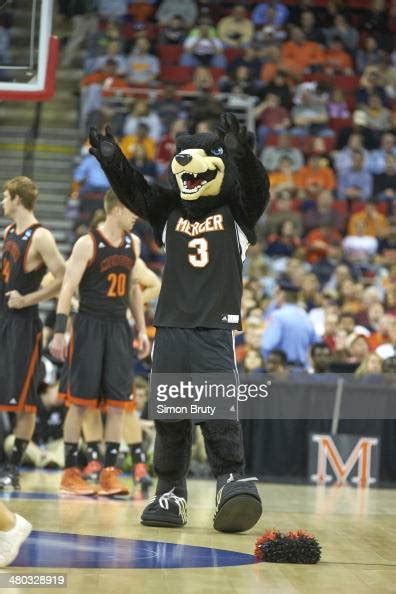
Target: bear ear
{"x": 182, "y": 140}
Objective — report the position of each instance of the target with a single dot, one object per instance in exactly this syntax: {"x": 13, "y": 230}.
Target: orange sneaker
{"x": 109, "y": 483}
{"x": 91, "y": 470}
{"x": 141, "y": 477}
{"x": 73, "y": 483}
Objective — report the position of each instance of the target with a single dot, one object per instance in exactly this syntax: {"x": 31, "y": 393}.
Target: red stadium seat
{"x": 337, "y": 124}
{"x": 346, "y": 83}
{"x": 232, "y": 53}
{"x": 176, "y": 74}
{"x": 217, "y": 73}
{"x": 170, "y": 54}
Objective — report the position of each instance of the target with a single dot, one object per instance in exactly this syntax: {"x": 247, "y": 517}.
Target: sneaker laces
{"x": 232, "y": 480}
{"x": 181, "y": 503}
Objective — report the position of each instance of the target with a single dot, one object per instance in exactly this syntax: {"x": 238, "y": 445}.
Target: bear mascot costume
{"x": 205, "y": 220}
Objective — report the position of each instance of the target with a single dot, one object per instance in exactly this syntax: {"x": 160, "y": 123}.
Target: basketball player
{"x": 28, "y": 251}
{"x": 14, "y": 530}
{"x": 132, "y": 430}
{"x": 100, "y": 350}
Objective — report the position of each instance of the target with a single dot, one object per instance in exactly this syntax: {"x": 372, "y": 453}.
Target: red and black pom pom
{"x": 293, "y": 547}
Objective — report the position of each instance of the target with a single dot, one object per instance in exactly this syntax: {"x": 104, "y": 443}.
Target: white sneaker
{"x": 11, "y": 541}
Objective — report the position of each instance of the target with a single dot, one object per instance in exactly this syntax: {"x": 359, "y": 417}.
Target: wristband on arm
{"x": 60, "y": 323}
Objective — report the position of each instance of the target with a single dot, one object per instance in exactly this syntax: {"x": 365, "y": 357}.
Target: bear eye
{"x": 217, "y": 151}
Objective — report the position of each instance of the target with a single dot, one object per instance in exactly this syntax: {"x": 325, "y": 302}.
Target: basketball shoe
{"x": 9, "y": 477}
{"x": 109, "y": 483}
{"x": 238, "y": 504}
{"x": 92, "y": 470}
{"x": 166, "y": 510}
{"x": 73, "y": 483}
{"x": 11, "y": 541}
{"x": 141, "y": 477}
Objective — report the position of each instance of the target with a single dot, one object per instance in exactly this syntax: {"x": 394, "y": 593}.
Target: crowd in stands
{"x": 319, "y": 81}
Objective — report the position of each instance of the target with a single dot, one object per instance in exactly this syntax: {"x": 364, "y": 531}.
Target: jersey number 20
{"x": 117, "y": 286}
{"x": 201, "y": 256}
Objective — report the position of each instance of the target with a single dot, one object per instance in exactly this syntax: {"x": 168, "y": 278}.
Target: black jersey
{"x": 104, "y": 285}
{"x": 202, "y": 280}
{"x": 13, "y": 272}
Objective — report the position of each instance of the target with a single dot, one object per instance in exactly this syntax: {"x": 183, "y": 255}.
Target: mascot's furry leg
{"x": 238, "y": 504}
{"x": 172, "y": 452}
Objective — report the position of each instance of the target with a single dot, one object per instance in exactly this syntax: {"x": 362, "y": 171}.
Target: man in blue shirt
{"x": 289, "y": 328}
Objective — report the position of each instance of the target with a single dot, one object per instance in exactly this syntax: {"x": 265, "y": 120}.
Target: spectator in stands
{"x": 141, "y": 161}
{"x": 260, "y": 13}
{"x": 84, "y": 22}
{"x": 169, "y": 107}
{"x": 341, "y": 273}
{"x": 171, "y": 8}
{"x": 323, "y": 242}
{"x": 99, "y": 89}
{"x": 320, "y": 358}
{"x": 378, "y": 116}
{"x": 370, "y": 221}
{"x": 175, "y": 31}
{"x": 342, "y": 30}
{"x": 236, "y": 29}
{"x": 239, "y": 82}
{"x": 371, "y": 365}
{"x": 309, "y": 27}
{"x": 356, "y": 182}
{"x": 142, "y": 113}
{"x": 276, "y": 363}
{"x": 351, "y": 296}
{"x": 272, "y": 155}
{"x": 377, "y": 160}
{"x": 142, "y": 67}
{"x": 167, "y": 146}
{"x": 284, "y": 242}
{"x": 387, "y": 248}
{"x": 283, "y": 178}
{"x": 337, "y": 60}
{"x": 343, "y": 158}
{"x": 309, "y": 114}
{"x": 203, "y": 46}
{"x": 385, "y": 183}
{"x": 112, "y": 52}
{"x": 330, "y": 329}
{"x": 253, "y": 362}
{"x": 250, "y": 59}
{"x": 359, "y": 249}
{"x": 368, "y": 55}
{"x": 359, "y": 126}
{"x": 271, "y": 118}
{"x": 89, "y": 185}
{"x": 289, "y": 328}
{"x": 202, "y": 81}
{"x": 371, "y": 83}
{"x": 315, "y": 176}
{"x": 129, "y": 143}
{"x": 281, "y": 210}
{"x": 371, "y": 318}
{"x": 300, "y": 55}
{"x": 389, "y": 348}
{"x": 322, "y": 209}
{"x": 337, "y": 106}
{"x": 357, "y": 348}
{"x": 310, "y": 296}
{"x": 280, "y": 87}
{"x": 115, "y": 10}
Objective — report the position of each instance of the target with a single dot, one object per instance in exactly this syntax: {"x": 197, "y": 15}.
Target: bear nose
{"x": 183, "y": 159}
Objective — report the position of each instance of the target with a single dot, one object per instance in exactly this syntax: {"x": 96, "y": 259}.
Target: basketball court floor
{"x": 101, "y": 547}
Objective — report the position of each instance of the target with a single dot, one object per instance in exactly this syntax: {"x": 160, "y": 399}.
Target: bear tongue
{"x": 193, "y": 183}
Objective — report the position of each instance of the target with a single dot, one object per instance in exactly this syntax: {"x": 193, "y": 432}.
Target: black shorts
{"x": 100, "y": 363}
{"x": 20, "y": 352}
{"x": 193, "y": 350}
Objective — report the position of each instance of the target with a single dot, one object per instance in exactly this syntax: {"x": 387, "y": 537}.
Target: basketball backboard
{"x": 28, "y": 65}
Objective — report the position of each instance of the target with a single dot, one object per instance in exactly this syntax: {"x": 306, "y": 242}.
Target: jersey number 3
{"x": 117, "y": 286}
{"x": 200, "y": 258}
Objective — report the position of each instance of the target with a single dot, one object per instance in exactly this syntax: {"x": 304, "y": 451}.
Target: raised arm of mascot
{"x": 220, "y": 167}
